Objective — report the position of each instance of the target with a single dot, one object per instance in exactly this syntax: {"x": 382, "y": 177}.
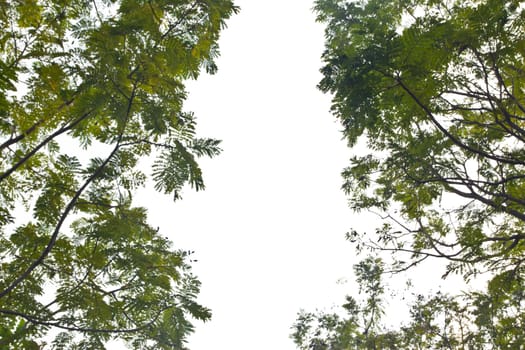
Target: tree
{"x": 435, "y": 91}
{"x": 430, "y": 94}
{"x": 468, "y": 321}
{"x": 323, "y": 331}
{"x": 87, "y": 90}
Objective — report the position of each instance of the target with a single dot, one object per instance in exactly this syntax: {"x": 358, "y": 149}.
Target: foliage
{"x": 430, "y": 94}
{"x": 87, "y": 89}
{"x": 435, "y": 89}
{"x": 470, "y": 321}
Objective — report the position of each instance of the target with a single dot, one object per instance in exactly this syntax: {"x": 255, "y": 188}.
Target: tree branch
{"x": 57, "y": 324}
{"x": 71, "y": 204}
{"x": 31, "y": 153}
{"x": 451, "y": 137}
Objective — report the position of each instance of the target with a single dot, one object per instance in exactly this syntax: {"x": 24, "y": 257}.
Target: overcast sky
{"x": 268, "y": 231}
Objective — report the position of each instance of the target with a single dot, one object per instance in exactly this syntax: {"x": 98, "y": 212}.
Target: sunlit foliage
{"x": 87, "y": 90}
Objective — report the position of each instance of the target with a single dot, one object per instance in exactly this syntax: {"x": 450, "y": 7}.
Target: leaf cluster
{"x": 493, "y": 319}
{"x": 435, "y": 91}
{"x": 87, "y": 90}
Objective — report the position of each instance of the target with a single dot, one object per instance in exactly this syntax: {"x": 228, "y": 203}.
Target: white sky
{"x": 268, "y": 231}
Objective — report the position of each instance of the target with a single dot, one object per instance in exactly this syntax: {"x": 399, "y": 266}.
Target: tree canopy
{"x": 87, "y": 90}
{"x": 494, "y": 319}
{"x": 435, "y": 91}
{"x": 430, "y": 94}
